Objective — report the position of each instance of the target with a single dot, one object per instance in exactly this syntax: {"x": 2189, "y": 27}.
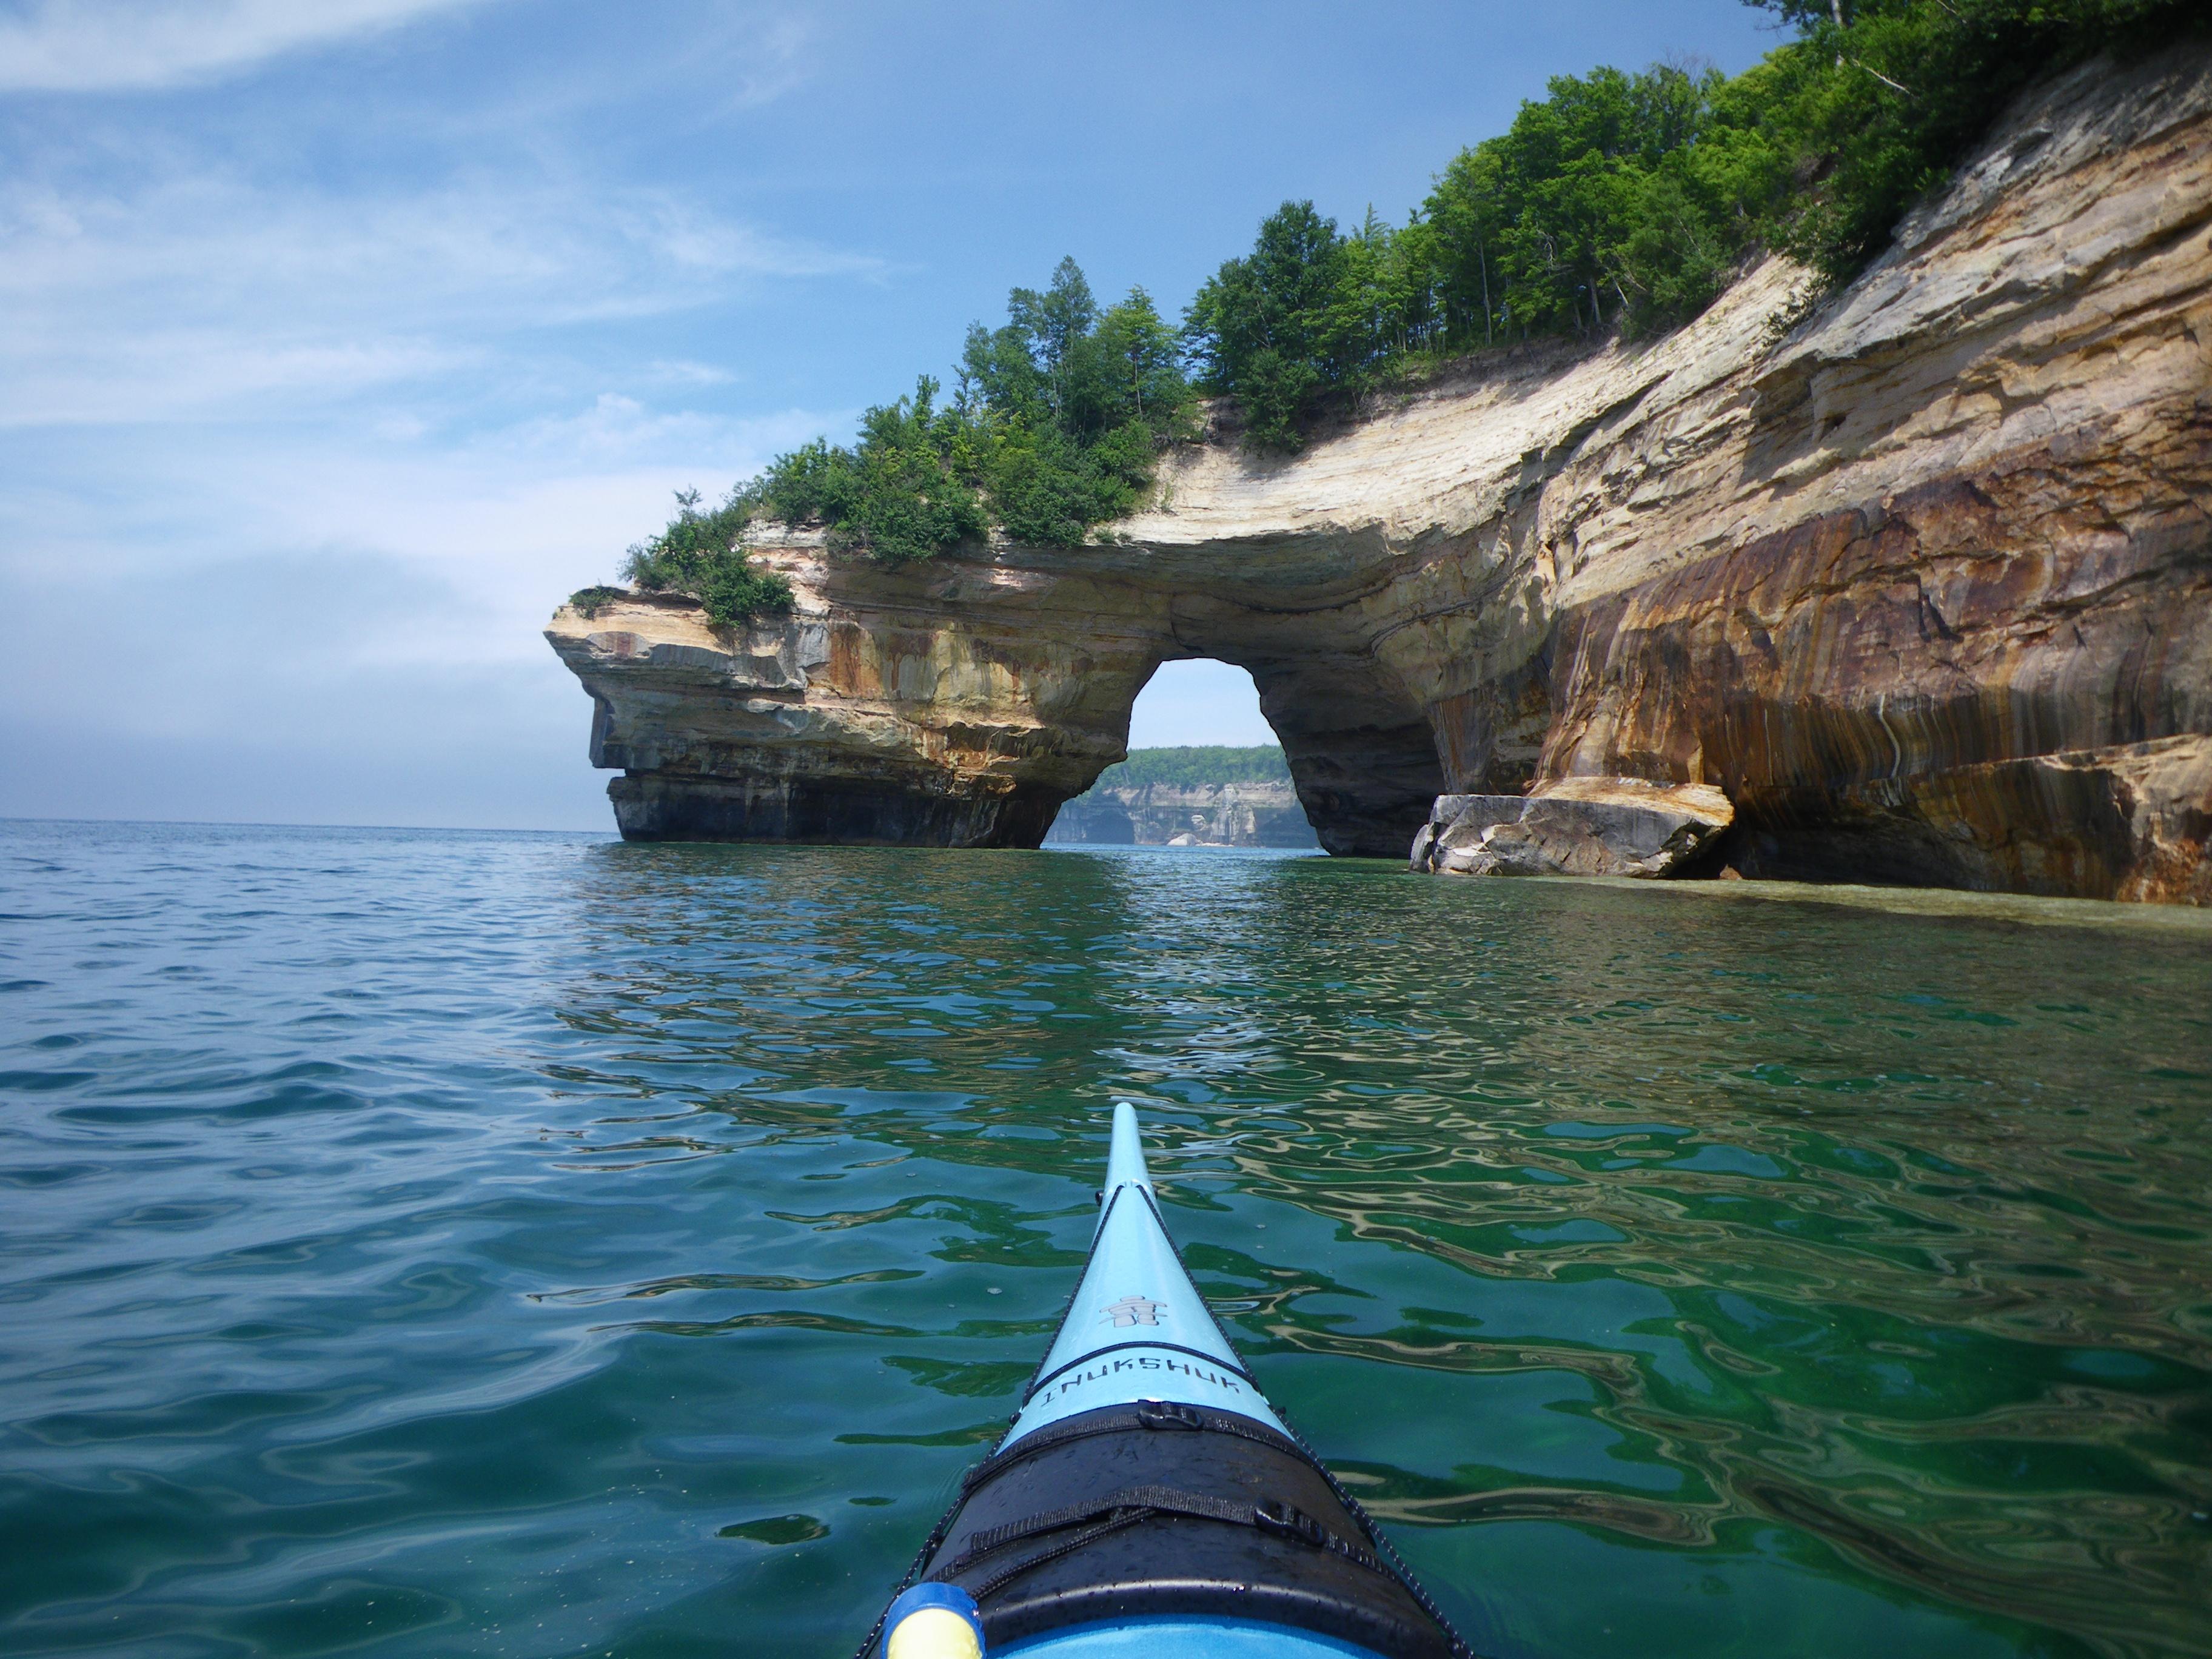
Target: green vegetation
{"x": 1878, "y": 99}
{"x": 590, "y": 601}
{"x": 1054, "y": 428}
{"x": 1619, "y": 205}
{"x": 904, "y": 492}
{"x": 1624, "y": 202}
{"x": 1197, "y": 767}
{"x": 702, "y": 553}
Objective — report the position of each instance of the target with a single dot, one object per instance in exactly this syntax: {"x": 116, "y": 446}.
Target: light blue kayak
{"x": 1148, "y": 1499}
{"x": 1138, "y": 1329}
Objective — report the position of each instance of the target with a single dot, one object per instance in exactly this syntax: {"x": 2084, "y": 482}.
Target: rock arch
{"x": 1920, "y": 592}
{"x": 961, "y": 702}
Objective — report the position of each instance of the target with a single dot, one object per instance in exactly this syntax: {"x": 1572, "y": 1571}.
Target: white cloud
{"x": 205, "y": 242}
{"x": 137, "y": 376}
{"x": 192, "y": 293}
{"x": 325, "y": 628}
{"x": 500, "y": 528}
{"x": 305, "y": 424}
{"x": 777, "y": 63}
{"x": 83, "y": 45}
{"x": 682, "y": 371}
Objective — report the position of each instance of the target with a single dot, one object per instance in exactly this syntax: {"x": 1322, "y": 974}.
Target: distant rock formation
{"x": 1919, "y": 583}
{"x": 1204, "y": 815}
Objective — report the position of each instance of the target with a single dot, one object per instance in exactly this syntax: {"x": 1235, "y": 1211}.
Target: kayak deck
{"x": 1146, "y": 1490}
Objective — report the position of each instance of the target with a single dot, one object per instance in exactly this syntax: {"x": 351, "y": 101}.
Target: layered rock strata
{"x": 1213, "y": 814}
{"x": 960, "y": 702}
{"x": 1920, "y": 581}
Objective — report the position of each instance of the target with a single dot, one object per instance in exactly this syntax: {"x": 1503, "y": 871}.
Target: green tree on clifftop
{"x": 1622, "y": 204}
{"x": 1618, "y": 205}
{"x": 1055, "y": 426}
{"x": 1057, "y": 421}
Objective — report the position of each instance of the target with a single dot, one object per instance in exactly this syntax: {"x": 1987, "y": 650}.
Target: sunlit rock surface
{"x": 1575, "y": 827}
{"x": 1923, "y": 587}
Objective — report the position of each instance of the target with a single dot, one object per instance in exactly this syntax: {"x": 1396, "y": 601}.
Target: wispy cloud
{"x": 87, "y": 45}
{"x": 200, "y": 291}
{"x": 311, "y": 407}
{"x": 509, "y": 519}
{"x": 776, "y": 65}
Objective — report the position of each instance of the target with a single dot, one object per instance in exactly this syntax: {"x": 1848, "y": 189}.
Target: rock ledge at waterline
{"x": 1920, "y": 591}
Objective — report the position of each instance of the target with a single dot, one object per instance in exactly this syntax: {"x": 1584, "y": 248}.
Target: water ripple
{"x": 432, "y": 1245}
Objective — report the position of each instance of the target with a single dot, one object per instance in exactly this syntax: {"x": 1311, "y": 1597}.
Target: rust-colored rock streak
{"x": 1976, "y": 648}
{"x": 1924, "y": 585}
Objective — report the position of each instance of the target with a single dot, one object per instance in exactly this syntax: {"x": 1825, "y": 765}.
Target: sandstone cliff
{"x": 1922, "y": 587}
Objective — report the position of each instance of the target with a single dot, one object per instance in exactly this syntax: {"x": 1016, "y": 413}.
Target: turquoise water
{"x": 431, "y": 1244}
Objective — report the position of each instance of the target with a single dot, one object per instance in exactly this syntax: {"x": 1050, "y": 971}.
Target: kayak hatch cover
{"x": 1147, "y": 1498}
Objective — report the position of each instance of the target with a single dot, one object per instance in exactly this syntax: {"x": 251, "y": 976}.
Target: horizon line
{"x": 284, "y": 823}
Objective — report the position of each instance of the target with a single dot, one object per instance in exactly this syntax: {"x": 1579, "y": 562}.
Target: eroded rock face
{"x": 1575, "y": 827}
{"x": 1924, "y": 587}
{"x": 960, "y": 702}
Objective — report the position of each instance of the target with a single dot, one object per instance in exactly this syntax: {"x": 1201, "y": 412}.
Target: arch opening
{"x": 1199, "y": 702}
{"x": 1360, "y": 769}
{"x": 1204, "y": 770}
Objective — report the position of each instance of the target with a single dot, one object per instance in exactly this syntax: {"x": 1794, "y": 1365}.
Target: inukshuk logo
{"x": 1133, "y": 1310}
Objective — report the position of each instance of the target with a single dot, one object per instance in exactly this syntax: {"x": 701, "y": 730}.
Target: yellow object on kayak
{"x": 934, "y": 1621}
{"x": 933, "y": 1633}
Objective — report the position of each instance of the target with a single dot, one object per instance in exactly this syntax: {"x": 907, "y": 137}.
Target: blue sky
{"x": 339, "y": 341}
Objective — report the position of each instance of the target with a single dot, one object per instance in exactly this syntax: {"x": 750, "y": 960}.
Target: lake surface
{"x": 437, "y": 1244}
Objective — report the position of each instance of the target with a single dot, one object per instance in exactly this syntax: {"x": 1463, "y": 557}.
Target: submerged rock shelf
{"x": 1919, "y": 591}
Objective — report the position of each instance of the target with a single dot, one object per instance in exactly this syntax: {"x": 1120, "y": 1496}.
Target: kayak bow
{"x": 1146, "y": 1495}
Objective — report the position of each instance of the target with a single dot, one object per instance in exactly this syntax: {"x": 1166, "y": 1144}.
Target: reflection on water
{"x": 438, "y": 1244}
